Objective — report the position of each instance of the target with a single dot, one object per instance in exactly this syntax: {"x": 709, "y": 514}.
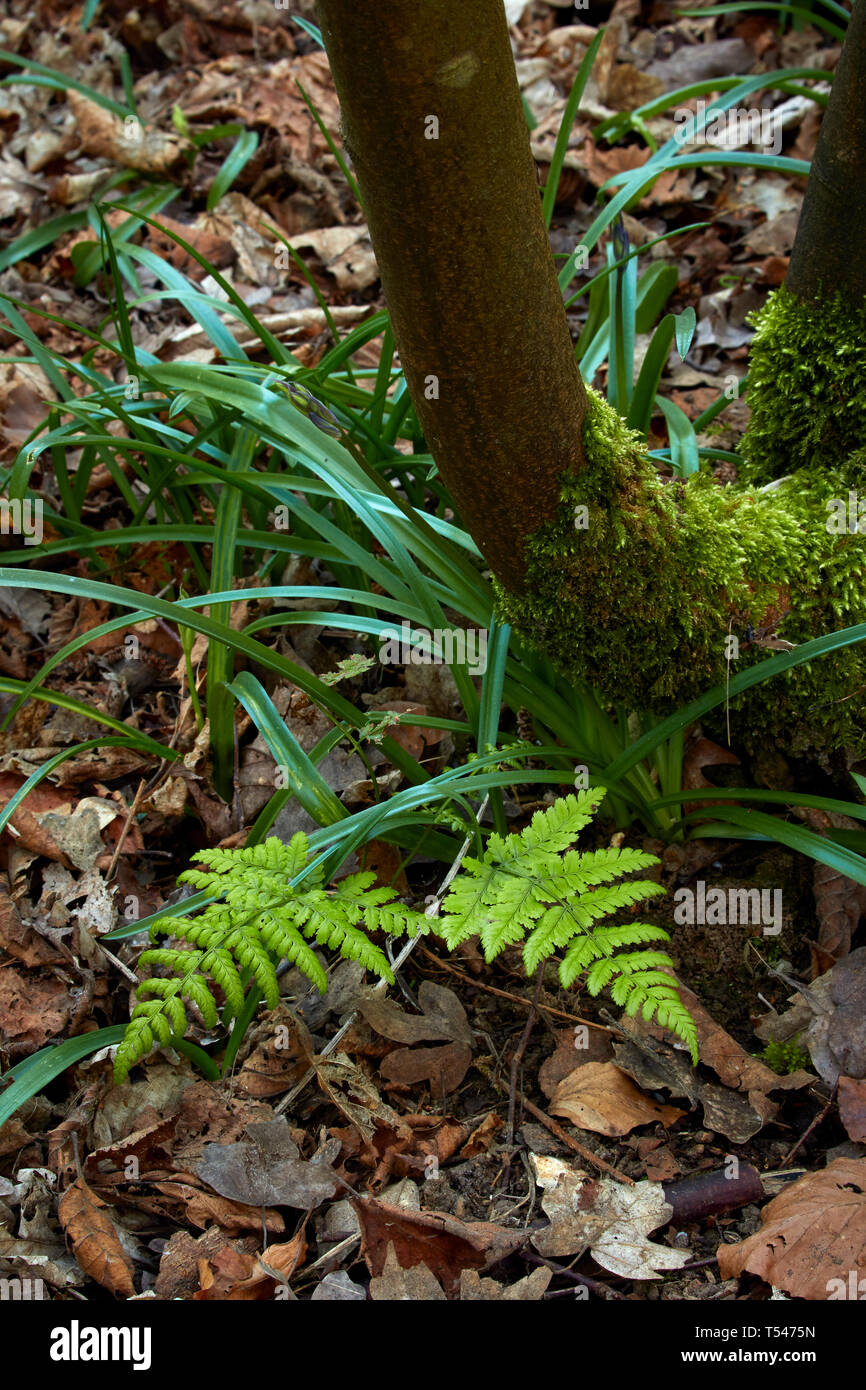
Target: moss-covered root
{"x": 807, "y": 386}
{"x": 637, "y": 584}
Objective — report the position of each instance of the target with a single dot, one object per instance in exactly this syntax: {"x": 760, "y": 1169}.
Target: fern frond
{"x": 532, "y": 887}
{"x": 586, "y": 870}
{"x": 555, "y": 829}
{"x": 258, "y": 919}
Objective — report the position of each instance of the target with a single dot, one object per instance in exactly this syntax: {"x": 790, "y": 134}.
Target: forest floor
{"x": 114, "y": 1190}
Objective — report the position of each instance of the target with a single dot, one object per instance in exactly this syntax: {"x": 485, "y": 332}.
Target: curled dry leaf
{"x": 125, "y": 142}
{"x": 95, "y": 1243}
{"x": 605, "y": 1217}
{"x": 357, "y": 1098}
{"x": 812, "y": 1236}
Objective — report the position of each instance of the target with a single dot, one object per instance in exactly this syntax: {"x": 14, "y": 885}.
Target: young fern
{"x": 530, "y": 887}
{"x": 259, "y": 920}
{"x": 533, "y": 888}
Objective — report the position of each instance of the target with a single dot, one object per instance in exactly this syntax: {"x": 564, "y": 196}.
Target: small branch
{"x": 518, "y": 1056}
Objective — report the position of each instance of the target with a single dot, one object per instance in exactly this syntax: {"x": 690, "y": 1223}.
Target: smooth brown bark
{"x": 434, "y": 125}
{"x": 828, "y": 253}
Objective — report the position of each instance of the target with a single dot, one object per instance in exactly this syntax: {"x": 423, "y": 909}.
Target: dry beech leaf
{"x": 95, "y": 1243}
{"x": 607, "y": 1218}
{"x": 601, "y": 1098}
{"x": 812, "y": 1236}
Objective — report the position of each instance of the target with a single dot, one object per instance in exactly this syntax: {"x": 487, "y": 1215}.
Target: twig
{"x": 125, "y": 831}
{"x": 514, "y": 998}
{"x": 432, "y": 910}
{"x": 814, "y": 1125}
{"x": 518, "y": 1056}
{"x": 566, "y": 1139}
{"x": 593, "y": 1285}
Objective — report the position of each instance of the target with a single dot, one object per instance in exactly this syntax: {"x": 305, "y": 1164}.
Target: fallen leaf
{"x": 480, "y": 1139}
{"x": 357, "y": 1098}
{"x": 574, "y": 1048}
{"x": 338, "y": 1288}
{"x": 416, "y": 1284}
{"x": 267, "y": 1170}
{"x": 601, "y": 1098}
{"x": 179, "y": 1263}
{"x": 443, "y": 1017}
{"x": 95, "y": 1243}
{"x": 852, "y": 1107}
{"x": 607, "y": 1218}
{"x": 443, "y": 1067}
{"x": 443, "y": 1243}
{"x": 812, "y": 1237}
{"x": 530, "y": 1289}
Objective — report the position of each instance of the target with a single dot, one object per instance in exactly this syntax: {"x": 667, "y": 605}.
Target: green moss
{"x": 639, "y": 601}
{"x": 785, "y": 1057}
{"x": 807, "y": 386}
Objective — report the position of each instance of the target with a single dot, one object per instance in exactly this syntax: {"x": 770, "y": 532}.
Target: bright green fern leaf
{"x": 533, "y": 887}
{"x": 258, "y": 920}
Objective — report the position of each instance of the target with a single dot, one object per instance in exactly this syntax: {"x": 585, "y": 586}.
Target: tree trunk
{"x": 433, "y": 122}
{"x": 807, "y": 365}
{"x": 828, "y": 251}
{"x": 627, "y": 581}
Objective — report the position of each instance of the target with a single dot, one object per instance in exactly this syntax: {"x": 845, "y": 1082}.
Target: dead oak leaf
{"x": 812, "y": 1235}
{"x": 94, "y": 1240}
{"x": 442, "y": 1018}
